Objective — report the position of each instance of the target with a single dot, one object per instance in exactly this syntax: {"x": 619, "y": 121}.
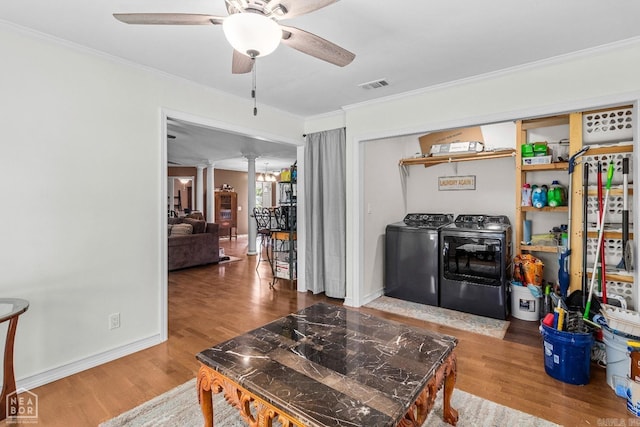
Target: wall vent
{"x": 374, "y": 84}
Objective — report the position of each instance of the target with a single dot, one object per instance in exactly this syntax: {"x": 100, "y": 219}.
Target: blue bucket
{"x": 567, "y": 355}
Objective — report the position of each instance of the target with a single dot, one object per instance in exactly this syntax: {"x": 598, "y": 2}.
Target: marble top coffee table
{"x": 328, "y": 365}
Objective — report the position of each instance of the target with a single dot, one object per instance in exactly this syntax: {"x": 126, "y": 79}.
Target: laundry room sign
{"x": 449, "y": 183}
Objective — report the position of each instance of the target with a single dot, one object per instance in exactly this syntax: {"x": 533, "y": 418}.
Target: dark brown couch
{"x": 200, "y": 247}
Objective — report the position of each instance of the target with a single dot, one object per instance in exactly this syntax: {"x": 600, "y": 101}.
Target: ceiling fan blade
{"x": 295, "y": 8}
{"x": 316, "y": 46}
{"x": 241, "y": 64}
{"x": 168, "y": 18}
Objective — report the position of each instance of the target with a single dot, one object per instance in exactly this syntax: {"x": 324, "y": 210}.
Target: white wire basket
{"x": 612, "y": 251}
{"x": 622, "y": 320}
{"x": 605, "y": 159}
{"x": 607, "y": 126}
{"x": 615, "y": 206}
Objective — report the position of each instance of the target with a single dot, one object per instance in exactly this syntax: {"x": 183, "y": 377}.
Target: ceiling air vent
{"x": 374, "y": 84}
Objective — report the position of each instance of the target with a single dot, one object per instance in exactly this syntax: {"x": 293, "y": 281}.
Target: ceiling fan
{"x": 253, "y": 30}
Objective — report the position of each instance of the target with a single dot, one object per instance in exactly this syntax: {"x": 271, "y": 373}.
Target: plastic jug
{"x": 556, "y": 195}
{"x": 539, "y": 196}
{"x": 526, "y": 195}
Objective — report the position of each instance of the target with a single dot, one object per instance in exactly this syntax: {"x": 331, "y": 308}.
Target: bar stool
{"x": 18, "y": 306}
{"x": 263, "y": 225}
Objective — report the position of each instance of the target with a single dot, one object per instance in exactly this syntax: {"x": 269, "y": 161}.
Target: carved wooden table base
{"x": 255, "y": 411}
{"x": 258, "y": 413}
{"x": 419, "y": 411}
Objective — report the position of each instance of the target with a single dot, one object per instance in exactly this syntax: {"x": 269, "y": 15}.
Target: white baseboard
{"x": 63, "y": 371}
{"x": 349, "y": 302}
{"x": 370, "y": 297}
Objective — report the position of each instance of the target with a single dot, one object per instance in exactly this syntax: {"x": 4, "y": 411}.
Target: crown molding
{"x": 29, "y": 32}
{"x": 559, "y": 59}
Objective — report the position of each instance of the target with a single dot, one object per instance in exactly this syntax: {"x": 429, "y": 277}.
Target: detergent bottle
{"x": 539, "y": 196}
{"x": 556, "y": 195}
{"x": 526, "y": 195}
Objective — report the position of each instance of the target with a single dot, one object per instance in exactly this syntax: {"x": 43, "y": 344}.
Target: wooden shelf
{"x": 612, "y": 192}
{"x": 544, "y": 122}
{"x": 437, "y": 160}
{"x": 284, "y": 235}
{"x": 624, "y": 278}
{"x": 527, "y": 173}
{"x": 559, "y": 209}
{"x": 536, "y": 248}
{"x": 607, "y": 235}
{"x": 620, "y": 278}
{"x": 613, "y": 149}
{"x": 548, "y": 167}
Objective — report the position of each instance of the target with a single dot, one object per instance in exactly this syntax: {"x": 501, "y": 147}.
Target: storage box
{"x": 470, "y": 134}
{"x": 546, "y": 239}
{"x": 540, "y": 149}
{"x": 621, "y": 320}
{"x": 616, "y": 159}
{"x": 559, "y": 151}
{"x": 282, "y": 270}
{"x": 612, "y": 250}
{"x": 607, "y": 126}
{"x": 454, "y": 148}
{"x": 541, "y": 160}
{"x": 526, "y": 150}
{"x": 615, "y": 207}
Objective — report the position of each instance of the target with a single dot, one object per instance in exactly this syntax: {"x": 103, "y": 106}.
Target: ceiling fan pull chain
{"x": 253, "y": 87}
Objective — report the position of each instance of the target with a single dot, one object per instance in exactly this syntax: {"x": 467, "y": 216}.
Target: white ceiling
{"x": 190, "y": 144}
{"x": 412, "y": 44}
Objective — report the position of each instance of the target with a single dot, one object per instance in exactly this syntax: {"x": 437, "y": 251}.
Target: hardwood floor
{"x": 213, "y": 303}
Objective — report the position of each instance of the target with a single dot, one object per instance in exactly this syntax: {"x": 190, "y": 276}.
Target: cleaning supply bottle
{"x": 539, "y": 196}
{"x": 556, "y": 195}
{"x": 546, "y": 304}
{"x": 526, "y": 195}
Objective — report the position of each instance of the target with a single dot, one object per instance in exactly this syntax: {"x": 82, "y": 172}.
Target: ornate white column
{"x": 211, "y": 188}
{"x": 200, "y": 188}
{"x": 251, "y": 195}
{"x": 170, "y": 190}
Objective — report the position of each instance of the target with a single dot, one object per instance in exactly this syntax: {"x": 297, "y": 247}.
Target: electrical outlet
{"x": 114, "y": 320}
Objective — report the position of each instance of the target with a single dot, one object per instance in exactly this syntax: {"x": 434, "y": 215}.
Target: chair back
{"x": 285, "y": 217}
{"x": 263, "y": 218}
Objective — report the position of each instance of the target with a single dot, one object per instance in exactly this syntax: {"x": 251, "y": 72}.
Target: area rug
{"x": 179, "y": 407}
{"x": 442, "y": 316}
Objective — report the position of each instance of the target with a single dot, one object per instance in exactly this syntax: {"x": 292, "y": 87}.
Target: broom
{"x": 599, "y": 245}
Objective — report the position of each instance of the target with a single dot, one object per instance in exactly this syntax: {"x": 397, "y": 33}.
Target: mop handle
{"x": 600, "y": 235}
{"x": 572, "y": 164}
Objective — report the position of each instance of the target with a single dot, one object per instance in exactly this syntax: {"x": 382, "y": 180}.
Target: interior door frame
{"x": 164, "y": 174}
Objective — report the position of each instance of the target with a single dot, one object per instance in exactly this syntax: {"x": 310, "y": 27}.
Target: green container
{"x": 556, "y": 195}
{"x": 526, "y": 150}
{"x": 539, "y": 149}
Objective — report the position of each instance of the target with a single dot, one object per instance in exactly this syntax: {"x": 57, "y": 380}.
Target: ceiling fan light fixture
{"x": 252, "y": 34}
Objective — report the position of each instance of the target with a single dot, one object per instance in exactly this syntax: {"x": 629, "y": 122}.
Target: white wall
{"x": 77, "y": 126}
{"x": 83, "y": 173}
{"x": 385, "y": 201}
{"x": 390, "y": 193}
{"x": 572, "y": 83}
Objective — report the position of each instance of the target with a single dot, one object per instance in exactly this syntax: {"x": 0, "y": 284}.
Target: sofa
{"x": 192, "y": 242}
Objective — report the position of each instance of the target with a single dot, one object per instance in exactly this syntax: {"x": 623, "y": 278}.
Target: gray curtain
{"x": 325, "y": 212}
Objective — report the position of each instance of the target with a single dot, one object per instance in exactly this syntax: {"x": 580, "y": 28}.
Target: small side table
{"x": 18, "y": 306}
